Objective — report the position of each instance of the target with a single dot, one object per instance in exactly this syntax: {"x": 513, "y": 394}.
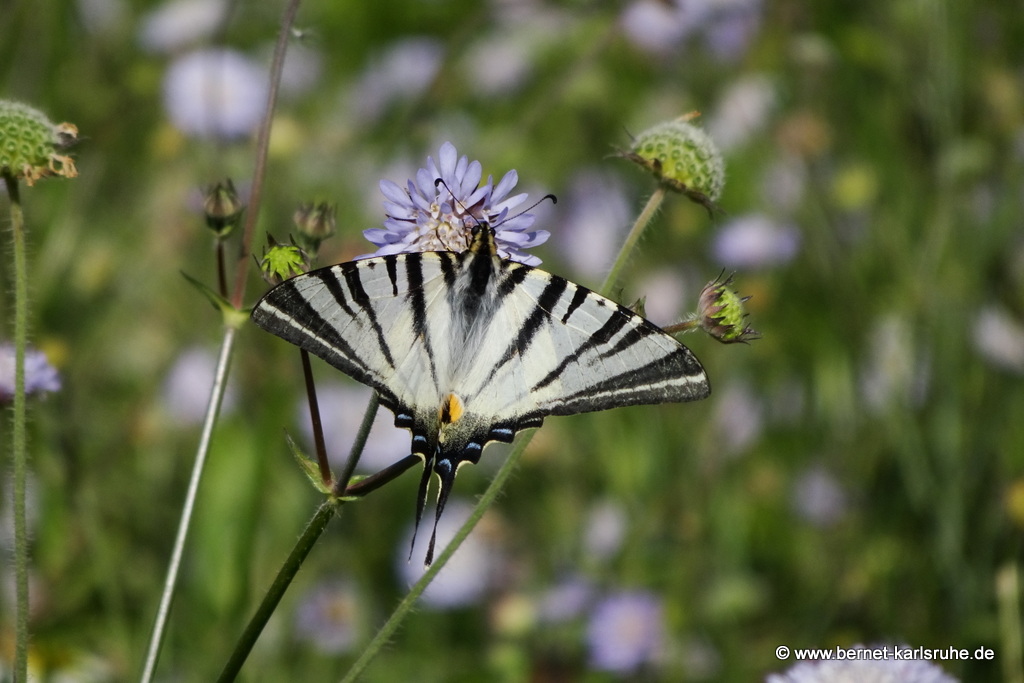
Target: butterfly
{"x": 468, "y": 348}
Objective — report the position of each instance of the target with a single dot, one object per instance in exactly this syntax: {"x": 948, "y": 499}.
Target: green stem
{"x": 18, "y": 429}
{"x": 639, "y": 225}
{"x": 396, "y": 618}
{"x": 284, "y": 577}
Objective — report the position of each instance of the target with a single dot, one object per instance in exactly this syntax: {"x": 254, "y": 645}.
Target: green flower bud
{"x": 281, "y": 262}
{"x": 720, "y": 313}
{"x": 29, "y": 143}
{"x": 315, "y": 223}
{"x": 222, "y": 207}
{"x": 683, "y": 157}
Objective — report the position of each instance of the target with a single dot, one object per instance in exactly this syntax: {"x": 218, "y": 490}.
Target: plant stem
{"x": 639, "y": 225}
{"x": 20, "y": 442}
{"x": 227, "y": 344}
{"x": 277, "y": 589}
{"x": 212, "y": 411}
{"x": 359, "y": 443}
{"x": 396, "y": 618}
{"x": 314, "y": 418}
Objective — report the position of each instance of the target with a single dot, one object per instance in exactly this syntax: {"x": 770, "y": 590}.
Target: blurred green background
{"x": 857, "y": 475}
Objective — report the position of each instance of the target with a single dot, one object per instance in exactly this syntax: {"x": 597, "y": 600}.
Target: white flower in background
{"x": 605, "y": 529}
{"x": 341, "y": 413}
{"x": 894, "y": 371}
{"x": 626, "y": 631}
{"x": 215, "y": 93}
{"x": 742, "y": 112}
{"x": 328, "y": 616}
{"x": 597, "y": 215}
{"x": 101, "y": 16}
{"x": 468, "y": 574}
{"x": 403, "y": 72}
{"x": 180, "y": 23}
{"x": 498, "y": 67}
{"x": 754, "y": 241}
{"x": 784, "y": 183}
{"x": 665, "y": 295}
{"x": 864, "y": 671}
{"x": 186, "y": 389}
{"x": 818, "y": 497}
{"x": 999, "y": 338}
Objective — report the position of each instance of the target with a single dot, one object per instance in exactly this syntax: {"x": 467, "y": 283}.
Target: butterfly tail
{"x": 421, "y": 503}
{"x": 446, "y": 470}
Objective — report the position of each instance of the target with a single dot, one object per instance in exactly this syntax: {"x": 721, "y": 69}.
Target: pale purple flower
{"x": 472, "y": 569}
{"x": 425, "y": 217}
{"x": 179, "y": 23}
{"x": 328, "y": 616}
{"x": 597, "y": 215}
{"x": 402, "y": 72}
{"x": 341, "y": 413}
{"x": 738, "y": 418}
{"x": 889, "y": 670}
{"x": 895, "y": 368}
{"x": 565, "y": 600}
{"x": 40, "y": 376}
{"x": 818, "y": 497}
{"x": 660, "y": 27}
{"x": 215, "y": 93}
{"x": 626, "y": 631}
{"x": 742, "y": 111}
{"x": 755, "y": 241}
{"x": 186, "y": 390}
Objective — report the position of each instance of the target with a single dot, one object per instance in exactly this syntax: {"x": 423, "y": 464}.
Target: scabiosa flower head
{"x": 720, "y": 313}
{"x": 626, "y": 631}
{"x": 40, "y": 376}
{"x": 440, "y": 217}
{"x": 29, "y": 143}
{"x": 683, "y": 157}
{"x": 864, "y": 671}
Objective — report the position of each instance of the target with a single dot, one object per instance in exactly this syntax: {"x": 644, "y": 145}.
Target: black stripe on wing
{"x": 354, "y": 280}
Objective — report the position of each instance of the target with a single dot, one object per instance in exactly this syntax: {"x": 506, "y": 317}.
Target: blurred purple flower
{"x": 425, "y": 217}
{"x": 404, "y": 71}
{"x": 565, "y": 600}
{"x": 40, "y": 376}
{"x": 818, "y": 497}
{"x": 755, "y": 241}
{"x": 742, "y": 111}
{"x": 660, "y": 27}
{"x": 738, "y": 418}
{"x": 215, "y": 93}
{"x": 626, "y": 631}
{"x": 328, "y": 616}
{"x": 341, "y": 413}
{"x": 468, "y": 575}
{"x": 864, "y": 671}
{"x": 180, "y": 23}
{"x": 186, "y": 389}
{"x": 605, "y": 529}
{"x": 597, "y": 215}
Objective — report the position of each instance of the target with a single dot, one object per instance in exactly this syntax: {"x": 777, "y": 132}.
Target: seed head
{"x": 29, "y": 143}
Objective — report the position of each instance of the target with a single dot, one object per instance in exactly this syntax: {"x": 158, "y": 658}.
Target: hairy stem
{"x": 626, "y": 252}
{"x": 20, "y": 442}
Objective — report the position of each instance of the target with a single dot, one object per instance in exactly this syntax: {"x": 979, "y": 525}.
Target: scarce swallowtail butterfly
{"x": 468, "y": 348}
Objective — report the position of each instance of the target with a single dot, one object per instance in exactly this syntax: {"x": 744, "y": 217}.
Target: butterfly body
{"x": 468, "y": 348}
